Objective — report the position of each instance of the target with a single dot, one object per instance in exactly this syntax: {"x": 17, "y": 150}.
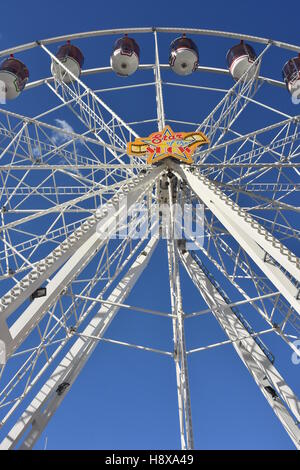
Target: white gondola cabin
{"x": 240, "y": 59}
{"x": 72, "y": 58}
{"x": 291, "y": 74}
{"x": 13, "y": 78}
{"x": 125, "y": 56}
{"x": 184, "y": 56}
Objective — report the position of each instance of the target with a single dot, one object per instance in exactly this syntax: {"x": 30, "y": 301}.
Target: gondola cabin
{"x": 72, "y": 58}
{"x": 13, "y": 78}
{"x": 125, "y": 56}
{"x": 240, "y": 59}
{"x": 291, "y": 74}
{"x": 184, "y": 56}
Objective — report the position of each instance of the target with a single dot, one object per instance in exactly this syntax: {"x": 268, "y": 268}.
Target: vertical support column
{"x": 158, "y": 87}
{"x": 180, "y": 357}
{"x": 36, "y": 416}
{"x": 278, "y": 394}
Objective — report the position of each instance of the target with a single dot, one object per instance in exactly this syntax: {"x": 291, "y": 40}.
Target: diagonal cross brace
{"x": 43, "y": 406}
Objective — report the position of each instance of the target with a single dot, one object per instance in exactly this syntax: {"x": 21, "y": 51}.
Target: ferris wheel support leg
{"x": 250, "y": 235}
{"x": 180, "y": 356}
{"x": 69, "y": 259}
{"x": 158, "y": 87}
{"x": 47, "y": 400}
{"x": 285, "y": 404}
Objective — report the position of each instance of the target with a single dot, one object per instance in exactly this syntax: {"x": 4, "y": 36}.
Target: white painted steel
{"x": 287, "y": 408}
{"x": 41, "y": 409}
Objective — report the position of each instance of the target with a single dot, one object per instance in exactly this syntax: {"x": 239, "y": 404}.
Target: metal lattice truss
{"x": 61, "y": 200}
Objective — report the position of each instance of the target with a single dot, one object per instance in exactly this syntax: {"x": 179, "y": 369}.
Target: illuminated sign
{"x": 166, "y": 143}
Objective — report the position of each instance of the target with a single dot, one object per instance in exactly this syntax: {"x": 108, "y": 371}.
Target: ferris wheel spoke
{"x": 274, "y": 226}
{"x": 45, "y": 148}
{"x": 160, "y": 109}
{"x": 253, "y": 138}
{"x": 64, "y": 205}
{"x": 280, "y": 148}
{"x": 234, "y": 264}
{"x": 274, "y": 187}
{"x": 231, "y": 105}
{"x": 53, "y": 234}
{"x": 51, "y": 394}
{"x": 286, "y": 161}
{"x": 253, "y": 353}
{"x": 282, "y": 229}
{"x": 111, "y": 263}
{"x": 284, "y": 174}
{"x": 279, "y": 304}
{"x": 273, "y": 258}
{"x": 34, "y": 243}
{"x": 258, "y": 150}
{"x": 93, "y": 112}
{"x": 270, "y": 108}
{"x": 76, "y": 251}
{"x": 267, "y": 202}
{"x": 86, "y": 119}
{"x": 52, "y": 231}
{"x": 58, "y": 200}
{"x": 42, "y": 140}
{"x": 31, "y": 153}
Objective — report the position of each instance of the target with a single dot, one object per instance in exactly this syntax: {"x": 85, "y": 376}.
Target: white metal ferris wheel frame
{"x": 278, "y": 263}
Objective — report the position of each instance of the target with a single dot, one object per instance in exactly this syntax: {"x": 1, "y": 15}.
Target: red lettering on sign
{"x": 156, "y": 139}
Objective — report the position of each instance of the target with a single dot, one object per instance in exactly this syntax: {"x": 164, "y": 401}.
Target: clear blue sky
{"x": 124, "y": 398}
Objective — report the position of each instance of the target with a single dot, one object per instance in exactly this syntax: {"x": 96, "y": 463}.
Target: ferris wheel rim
{"x": 142, "y": 67}
{"x": 109, "y": 32}
{"x": 202, "y": 32}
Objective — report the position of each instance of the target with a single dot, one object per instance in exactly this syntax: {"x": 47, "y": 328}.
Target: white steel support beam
{"x": 279, "y": 303}
{"x": 284, "y": 402}
{"x": 257, "y": 152}
{"x": 68, "y": 314}
{"x": 232, "y": 104}
{"x": 158, "y": 88}
{"x": 76, "y": 251}
{"x": 180, "y": 356}
{"x": 250, "y": 235}
{"x": 20, "y": 137}
{"x": 93, "y": 108}
{"x": 63, "y": 206}
{"x": 41, "y": 409}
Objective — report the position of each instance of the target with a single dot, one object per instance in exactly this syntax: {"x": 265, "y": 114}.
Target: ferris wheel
{"x": 70, "y": 254}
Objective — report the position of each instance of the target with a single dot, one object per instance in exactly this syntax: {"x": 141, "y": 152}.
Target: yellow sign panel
{"x": 166, "y": 143}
